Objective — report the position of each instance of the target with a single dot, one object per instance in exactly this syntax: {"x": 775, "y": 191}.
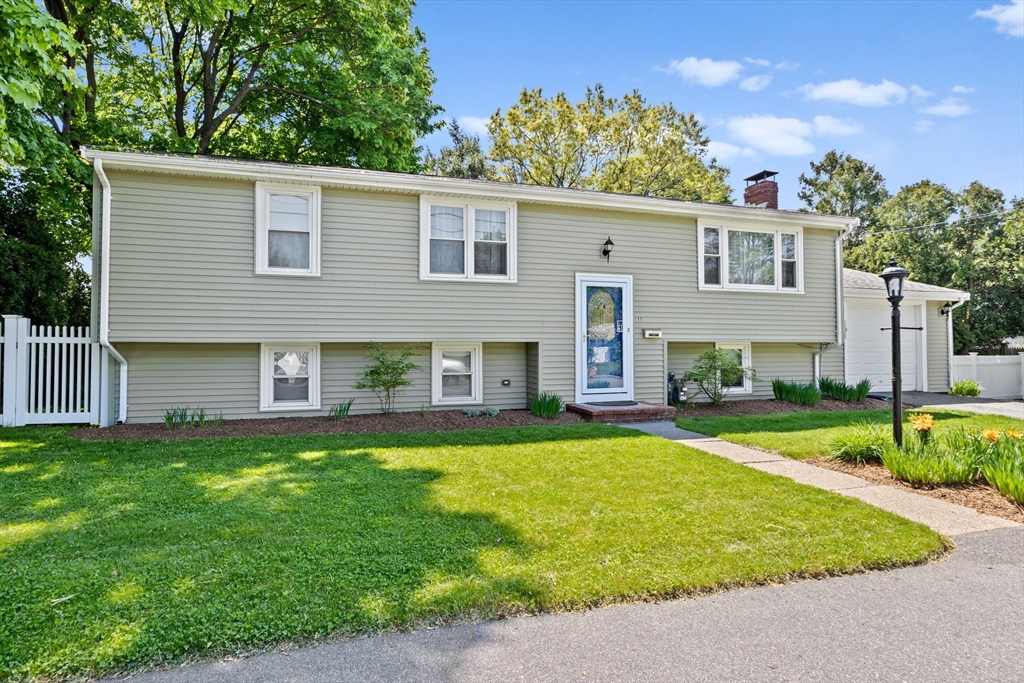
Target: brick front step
{"x": 641, "y": 412}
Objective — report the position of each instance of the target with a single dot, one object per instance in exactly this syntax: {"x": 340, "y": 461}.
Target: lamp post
{"x": 894, "y": 276}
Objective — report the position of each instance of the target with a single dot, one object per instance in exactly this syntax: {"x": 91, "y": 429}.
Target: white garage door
{"x": 869, "y": 348}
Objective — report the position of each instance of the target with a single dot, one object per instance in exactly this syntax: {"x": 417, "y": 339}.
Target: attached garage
{"x": 925, "y": 353}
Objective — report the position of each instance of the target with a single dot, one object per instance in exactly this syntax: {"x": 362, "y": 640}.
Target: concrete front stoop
{"x": 946, "y": 518}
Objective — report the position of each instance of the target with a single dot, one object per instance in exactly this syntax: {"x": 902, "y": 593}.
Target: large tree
{"x": 603, "y": 143}
{"x": 842, "y": 185}
{"x": 463, "y": 159}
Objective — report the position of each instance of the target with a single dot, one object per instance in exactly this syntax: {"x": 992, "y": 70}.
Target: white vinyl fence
{"x": 50, "y": 374}
{"x": 1000, "y": 376}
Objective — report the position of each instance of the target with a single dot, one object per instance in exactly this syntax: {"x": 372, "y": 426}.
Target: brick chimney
{"x": 762, "y": 191}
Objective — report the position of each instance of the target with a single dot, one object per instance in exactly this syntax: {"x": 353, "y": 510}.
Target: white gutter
{"x": 122, "y": 407}
{"x": 949, "y": 337}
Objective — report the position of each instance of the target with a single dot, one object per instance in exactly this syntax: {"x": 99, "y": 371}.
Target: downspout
{"x": 122, "y": 404}
{"x": 949, "y": 338}
{"x": 839, "y": 281}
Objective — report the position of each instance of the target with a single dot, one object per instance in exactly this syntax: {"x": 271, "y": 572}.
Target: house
{"x": 252, "y": 288}
{"x": 926, "y": 353}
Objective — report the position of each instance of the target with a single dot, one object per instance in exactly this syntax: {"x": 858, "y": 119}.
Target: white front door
{"x": 604, "y": 338}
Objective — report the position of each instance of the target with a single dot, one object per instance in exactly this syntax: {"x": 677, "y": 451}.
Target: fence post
{"x": 15, "y": 370}
{"x": 974, "y": 365}
{"x": 1021, "y": 356}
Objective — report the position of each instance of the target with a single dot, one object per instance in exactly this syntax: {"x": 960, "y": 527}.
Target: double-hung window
{"x": 467, "y": 241}
{"x": 456, "y": 374}
{"x": 290, "y": 377}
{"x": 741, "y": 354}
{"x": 287, "y": 230}
{"x": 749, "y": 258}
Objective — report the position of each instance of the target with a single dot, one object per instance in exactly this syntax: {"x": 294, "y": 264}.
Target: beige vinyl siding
{"x": 182, "y": 272}
{"x": 833, "y": 363}
{"x": 938, "y": 358}
{"x": 791, "y": 362}
{"x": 224, "y": 378}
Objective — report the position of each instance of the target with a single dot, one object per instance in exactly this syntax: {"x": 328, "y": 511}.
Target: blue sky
{"x": 921, "y": 90}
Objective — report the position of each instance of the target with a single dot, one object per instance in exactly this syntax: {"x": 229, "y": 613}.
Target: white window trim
{"x": 744, "y": 349}
{"x": 511, "y": 223}
{"x": 267, "y": 377}
{"x": 476, "y": 350}
{"x": 723, "y": 254}
{"x": 262, "y": 223}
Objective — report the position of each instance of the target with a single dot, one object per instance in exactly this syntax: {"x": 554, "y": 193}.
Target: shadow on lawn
{"x": 170, "y": 549}
{"x": 799, "y": 422}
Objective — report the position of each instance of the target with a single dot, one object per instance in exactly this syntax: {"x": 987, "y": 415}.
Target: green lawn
{"x": 175, "y": 549}
{"x": 806, "y": 435}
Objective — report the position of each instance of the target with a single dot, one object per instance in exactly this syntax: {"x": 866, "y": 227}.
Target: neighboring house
{"x": 927, "y": 354}
{"x": 252, "y": 288}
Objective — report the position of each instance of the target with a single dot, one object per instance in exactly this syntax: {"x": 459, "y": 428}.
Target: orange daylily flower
{"x": 923, "y": 422}
{"x": 1015, "y": 433}
{"x": 992, "y": 435}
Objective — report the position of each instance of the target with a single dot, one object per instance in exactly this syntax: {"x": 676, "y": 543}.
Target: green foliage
{"x": 546, "y": 405}
{"x": 1004, "y": 468}
{"x": 841, "y": 185}
{"x": 424, "y": 409}
{"x": 479, "y": 412}
{"x": 176, "y": 552}
{"x": 715, "y": 370}
{"x": 941, "y": 460}
{"x": 39, "y": 277}
{"x": 602, "y": 143}
{"x": 31, "y": 47}
{"x": 464, "y": 159}
{"x": 841, "y": 391}
{"x": 794, "y": 392}
{"x": 386, "y": 377}
{"x": 808, "y": 434}
{"x": 860, "y": 443}
{"x": 185, "y": 417}
{"x": 339, "y": 411}
{"x": 966, "y": 387}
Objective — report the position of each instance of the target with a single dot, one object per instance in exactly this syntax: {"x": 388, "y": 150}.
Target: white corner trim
{"x": 104, "y": 337}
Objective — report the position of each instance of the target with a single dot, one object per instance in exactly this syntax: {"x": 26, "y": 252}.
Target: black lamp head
{"x": 894, "y": 276}
{"x": 606, "y": 250}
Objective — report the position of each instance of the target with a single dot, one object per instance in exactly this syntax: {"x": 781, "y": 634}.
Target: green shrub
{"x": 1004, "y": 468}
{"x": 546, "y": 405}
{"x": 386, "y": 376}
{"x": 860, "y": 443}
{"x": 794, "y": 392}
{"x": 339, "y": 411}
{"x": 931, "y": 463}
{"x": 966, "y": 387}
{"x": 715, "y": 371}
{"x": 182, "y": 418}
{"x": 841, "y": 391}
{"x": 491, "y": 412}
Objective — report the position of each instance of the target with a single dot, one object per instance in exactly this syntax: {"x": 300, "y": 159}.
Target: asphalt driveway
{"x": 957, "y": 619}
{"x": 985, "y": 406}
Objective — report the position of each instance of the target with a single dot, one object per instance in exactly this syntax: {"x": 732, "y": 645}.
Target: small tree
{"x": 715, "y": 371}
{"x": 387, "y": 375}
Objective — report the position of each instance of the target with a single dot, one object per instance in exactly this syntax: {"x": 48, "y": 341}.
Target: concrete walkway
{"x": 946, "y": 518}
{"x": 960, "y": 619}
{"x": 984, "y": 406}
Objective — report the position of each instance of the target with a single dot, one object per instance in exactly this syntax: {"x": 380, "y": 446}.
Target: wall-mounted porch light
{"x": 606, "y": 250}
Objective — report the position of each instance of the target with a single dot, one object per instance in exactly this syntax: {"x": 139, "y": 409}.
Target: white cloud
{"x": 784, "y": 137}
{"x": 963, "y": 90}
{"x": 755, "y": 83}
{"x": 786, "y": 65}
{"x": 923, "y": 126}
{"x": 706, "y": 72}
{"x": 1009, "y": 18}
{"x": 951, "y": 106}
{"x": 758, "y": 62}
{"x": 474, "y": 125}
{"x": 725, "y": 152}
{"x": 829, "y": 125}
{"x": 852, "y": 91}
{"x": 919, "y": 93}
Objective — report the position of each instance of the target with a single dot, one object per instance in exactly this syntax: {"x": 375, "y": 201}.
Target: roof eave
{"x": 353, "y": 178}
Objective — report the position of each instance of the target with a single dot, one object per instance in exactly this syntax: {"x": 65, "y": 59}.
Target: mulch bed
{"x": 981, "y": 497}
{"x": 438, "y": 421}
{"x": 770, "y": 406}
